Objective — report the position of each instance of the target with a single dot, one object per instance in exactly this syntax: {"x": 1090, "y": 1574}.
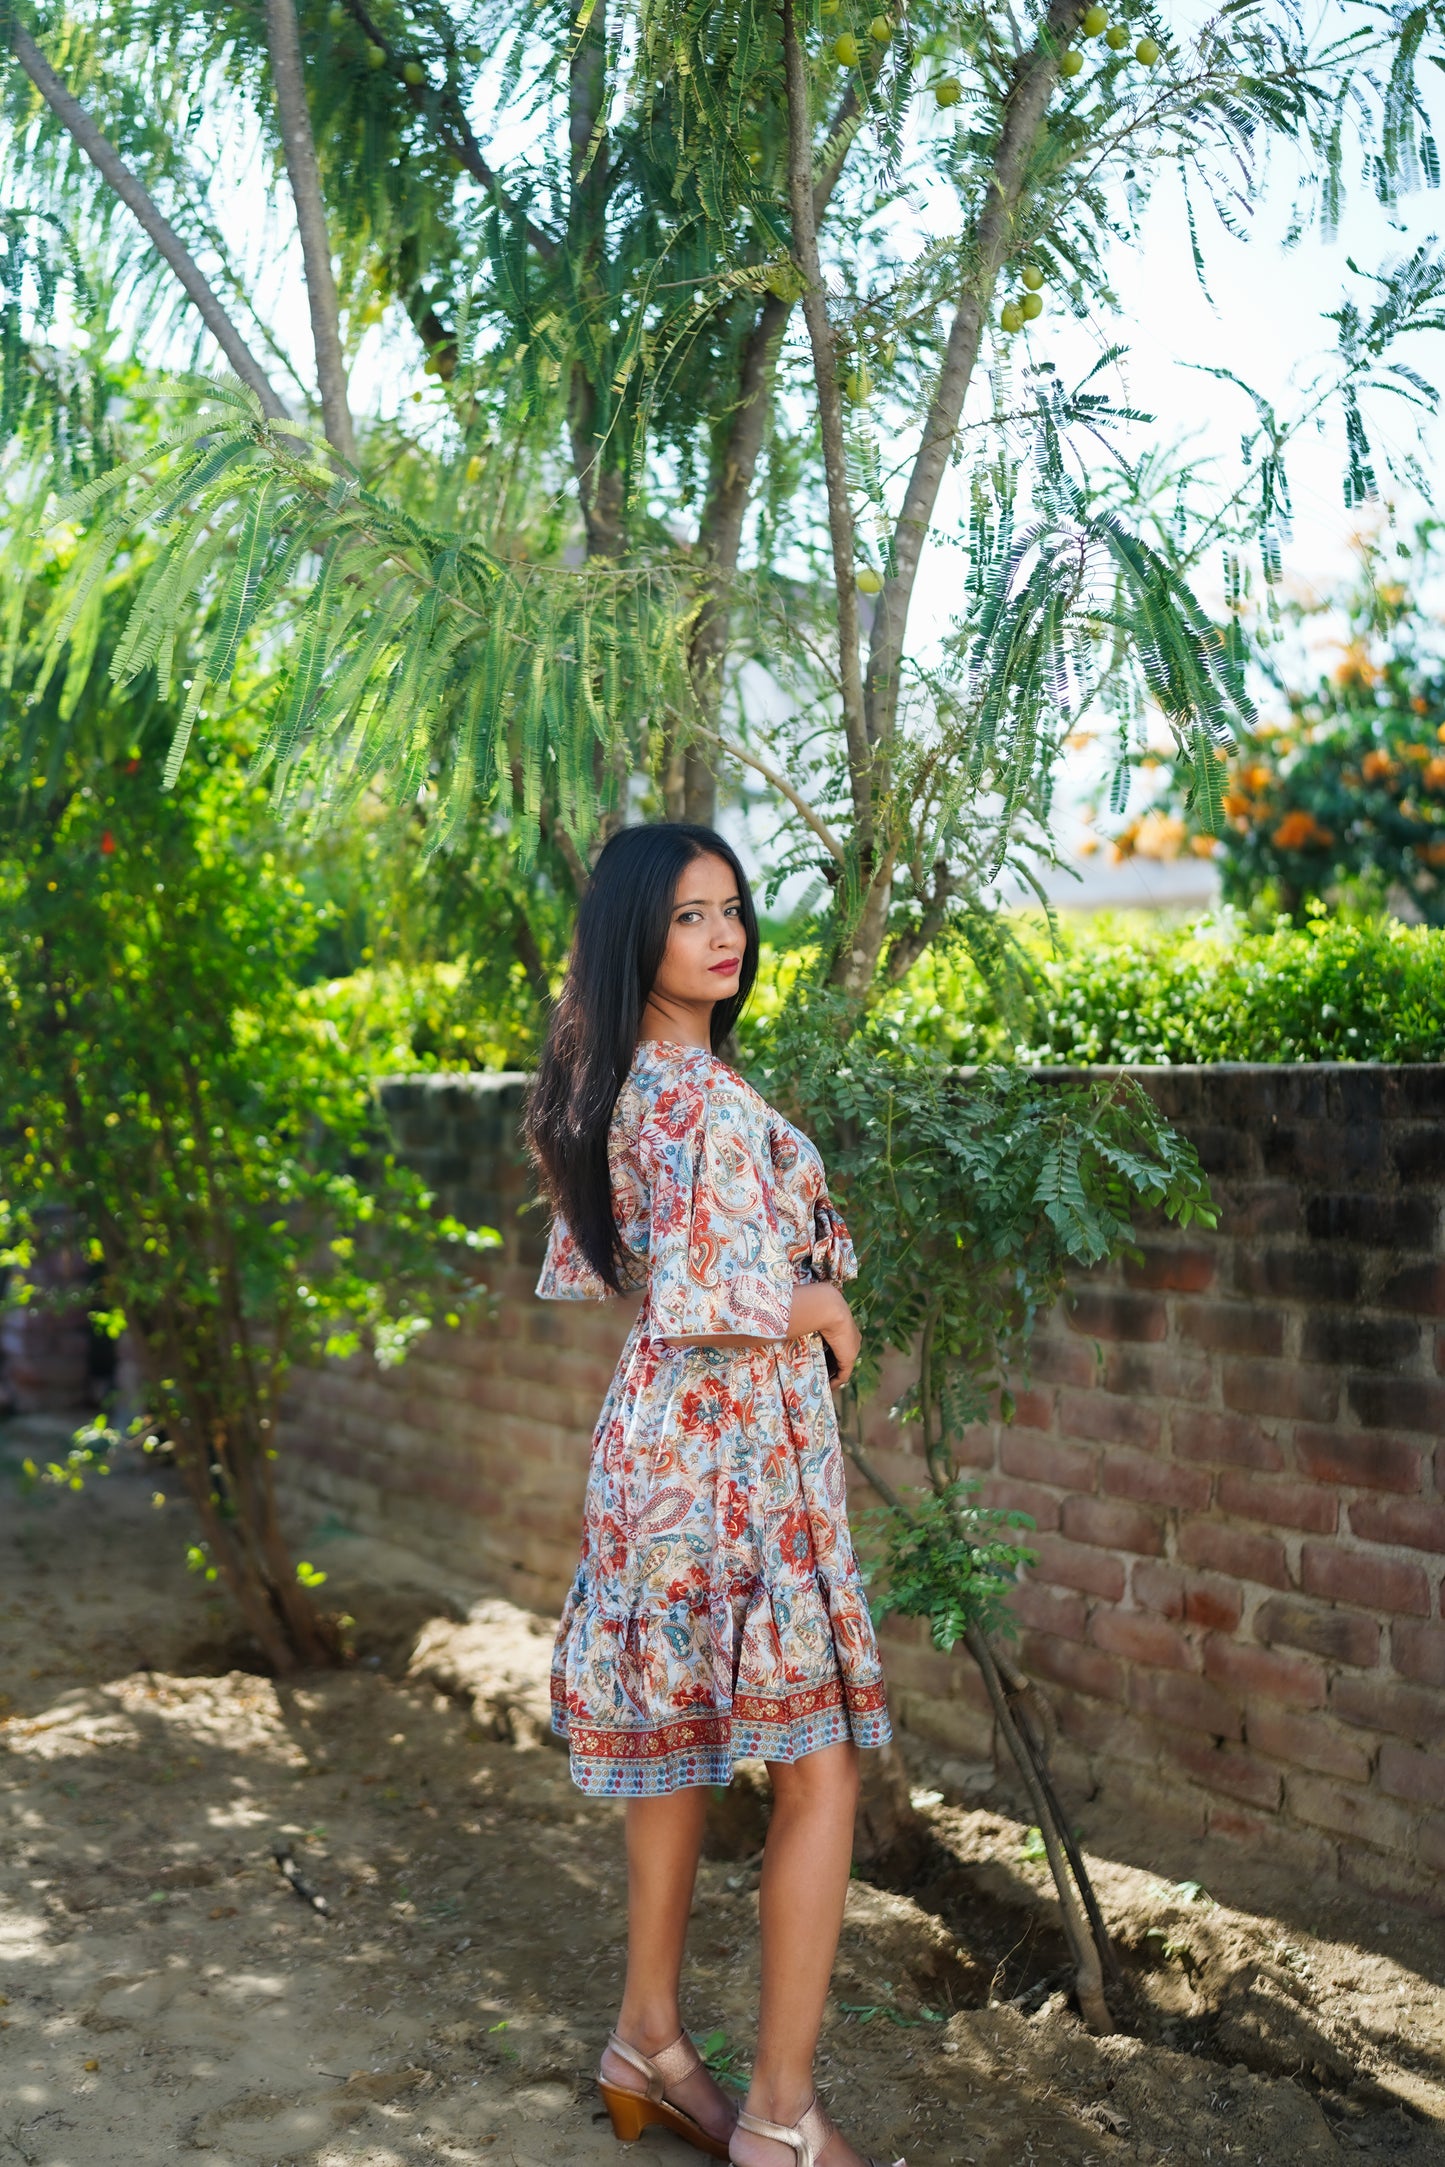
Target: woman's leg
{"x": 804, "y": 1886}
{"x": 664, "y": 1840}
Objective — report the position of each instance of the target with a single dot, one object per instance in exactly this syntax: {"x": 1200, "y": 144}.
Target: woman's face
{"x": 706, "y": 938}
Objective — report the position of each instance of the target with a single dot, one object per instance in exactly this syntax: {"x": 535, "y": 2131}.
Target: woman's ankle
{"x": 649, "y": 2026}
{"x": 780, "y": 2097}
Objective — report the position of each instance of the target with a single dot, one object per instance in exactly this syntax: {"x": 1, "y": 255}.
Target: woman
{"x": 717, "y": 1612}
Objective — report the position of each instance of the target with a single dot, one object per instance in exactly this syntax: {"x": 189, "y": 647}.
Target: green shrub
{"x": 1332, "y": 990}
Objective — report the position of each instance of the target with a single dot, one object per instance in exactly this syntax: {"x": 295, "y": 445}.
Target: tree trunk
{"x": 168, "y": 244}
{"x": 284, "y": 42}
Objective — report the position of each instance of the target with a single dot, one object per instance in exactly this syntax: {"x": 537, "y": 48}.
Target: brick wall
{"x": 1234, "y": 1450}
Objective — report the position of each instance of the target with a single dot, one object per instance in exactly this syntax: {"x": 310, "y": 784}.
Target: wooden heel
{"x": 630, "y": 2111}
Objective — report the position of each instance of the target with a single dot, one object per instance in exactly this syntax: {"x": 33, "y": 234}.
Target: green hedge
{"x": 1121, "y": 992}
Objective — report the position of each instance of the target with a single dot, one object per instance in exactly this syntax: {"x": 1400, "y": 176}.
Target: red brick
{"x": 1417, "y": 1652}
{"x": 1192, "y": 1703}
{"x": 1260, "y": 1673}
{"x": 1408, "y": 1522}
{"x": 1354, "y": 1576}
{"x": 1063, "y": 1361}
{"x": 1170, "y": 1269}
{"x": 1234, "y": 1550}
{"x": 1103, "y": 1728}
{"x": 1033, "y": 1410}
{"x": 1373, "y": 1704}
{"x": 1282, "y": 1389}
{"x": 1405, "y": 1772}
{"x": 1152, "y": 1481}
{"x": 1107, "y": 1313}
{"x": 1306, "y": 1742}
{"x": 1114, "y": 1421}
{"x": 1050, "y": 1610}
{"x": 1044, "y": 1459}
{"x": 1388, "y": 1343}
{"x": 1345, "y": 1811}
{"x": 1087, "y": 1670}
{"x": 1279, "y": 1504}
{"x": 1141, "y": 1638}
{"x": 1134, "y": 1791}
{"x": 1041, "y": 1506}
{"x": 1232, "y": 1327}
{"x": 1230, "y": 1769}
{"x": 1157, "y": 1587}
{"x": 1113, "y": 1525}
{"x": 1367, "y": 1461}
{"x": 1076, "y": 1565}
{"x": 1406, "y": 1403}
{"x": 1337, "y": 1635}
{"x": 1232, "y": 1439}
{"x": 1419, "y": 1288}
{"x": 1264, "y": 1208}
{"x": 1157, "y": 1373}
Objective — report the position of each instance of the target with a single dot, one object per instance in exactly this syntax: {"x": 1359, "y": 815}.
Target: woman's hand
{"x": 820, "y": 1308}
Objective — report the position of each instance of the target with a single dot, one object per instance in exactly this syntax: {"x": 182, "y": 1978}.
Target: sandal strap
{"x": 671, "y": 2066}
{"x": 808, "y": 2136}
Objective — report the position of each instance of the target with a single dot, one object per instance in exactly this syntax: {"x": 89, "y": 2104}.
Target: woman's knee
{"x": 822, "y": 1779}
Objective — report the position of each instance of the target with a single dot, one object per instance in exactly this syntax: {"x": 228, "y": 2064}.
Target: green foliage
{"x": 1136, "y": 992}
{"x": 216, "y": 1148}
{"x": 970, "y": 1197}
{"x": 951, "y": 1561}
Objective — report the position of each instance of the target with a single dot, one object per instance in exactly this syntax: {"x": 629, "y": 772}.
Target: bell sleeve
{"x": 718, "y": 1264}
{"x": 566, "y": 1274}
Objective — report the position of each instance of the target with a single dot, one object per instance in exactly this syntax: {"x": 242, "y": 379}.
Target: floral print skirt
{"x": 718, "y": 1613}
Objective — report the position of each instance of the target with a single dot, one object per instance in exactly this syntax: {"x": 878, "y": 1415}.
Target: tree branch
{"x": 720, "y": 530}
{"x": 1035, "y": 74}
{"x": 830, "y": 418}
{"x": 117, "y": 175}
{"x": 284, "y": 41}
{"x": 449, "y": 124}
{"x": 784, "y": 789}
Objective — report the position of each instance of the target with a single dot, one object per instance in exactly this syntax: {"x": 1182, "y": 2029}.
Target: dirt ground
{"x": 164, "y": 1992}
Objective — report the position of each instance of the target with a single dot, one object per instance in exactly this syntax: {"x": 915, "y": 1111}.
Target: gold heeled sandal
{"x": 808, "y": 2137}
{"x": 632, "y": 2112}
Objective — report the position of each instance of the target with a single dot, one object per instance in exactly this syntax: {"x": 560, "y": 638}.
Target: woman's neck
{"x": 678, "y": 1023}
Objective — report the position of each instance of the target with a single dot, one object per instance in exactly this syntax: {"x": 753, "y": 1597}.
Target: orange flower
{"x": 107, "y": 844}
{"x": 1123, "y": 844}
{"x": 1357, "y": 668}
{"x": 1418, "y": 754}
{"x": 1301, "y": 831}
{"x": 1236, "y": 805}
{"x": 1376, "y": 766}
{"x": 1256, "y": 778}
{"x": 1432, "y": 853}
{"x": 1204, "y": 846}
{"x": 1088, "y": 844}
{"x": 1420, "y": 706}
{"x": 1161, "y": 836}
{"x": 1434, "y": 775}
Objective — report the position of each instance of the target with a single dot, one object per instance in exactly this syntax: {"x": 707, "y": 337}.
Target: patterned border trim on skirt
{"x": 649, "y": 1762}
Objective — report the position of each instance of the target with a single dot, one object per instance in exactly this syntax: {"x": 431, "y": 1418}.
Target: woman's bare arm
{"x": 816, "y": 1308}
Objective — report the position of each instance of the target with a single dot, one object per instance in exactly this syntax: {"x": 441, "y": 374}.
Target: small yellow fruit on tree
{"x": 869, "y": 581}
{"x": 336, "y": 15}
{"x": 1032, "y": 277}
{"x": 1011, "y": 316}
{"x": 474, "y": 468}
{"x": 880, "y": 30}
{"x": 1032, "y": 305}
{"x": 949, "y": 91}
{"x": 1116, "y": 37}
{"x": 1095, "y": 22}
{"x": 375, "y": 57}
{"x": 1146, "y": 52}
{"x": 1072, "y": 63}
{"x": 845, "y": 50}
{"x": 414, "y": 73}
{"x": 859, "y": 383}
{"x": 472, "y": 55}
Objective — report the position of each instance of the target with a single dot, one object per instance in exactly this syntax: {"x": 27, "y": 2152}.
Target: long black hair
{"x": 617, "y": 950}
